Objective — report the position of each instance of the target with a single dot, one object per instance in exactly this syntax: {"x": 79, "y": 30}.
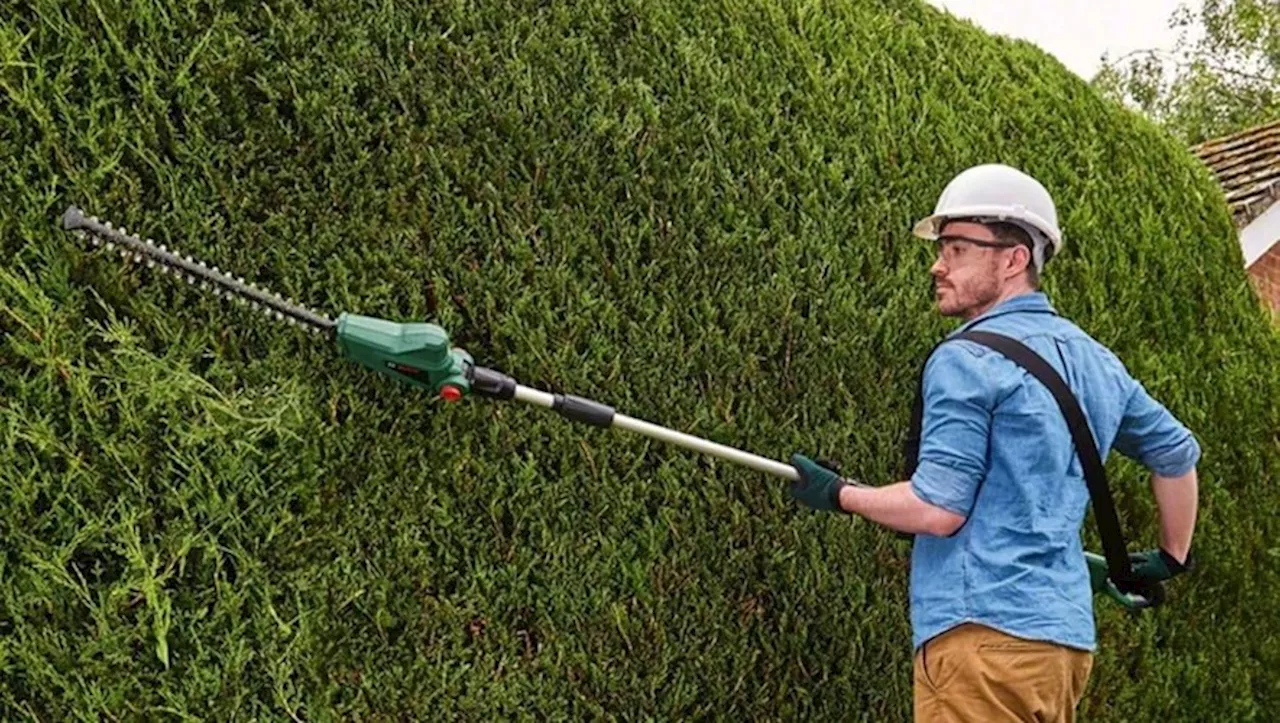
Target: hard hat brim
{"x": 930, "y": 226}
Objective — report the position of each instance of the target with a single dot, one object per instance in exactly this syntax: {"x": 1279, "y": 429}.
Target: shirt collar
{"x": 1032, "y": 301}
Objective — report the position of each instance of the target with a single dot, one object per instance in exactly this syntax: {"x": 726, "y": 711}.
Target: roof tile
{"x": 1247, "y": 164}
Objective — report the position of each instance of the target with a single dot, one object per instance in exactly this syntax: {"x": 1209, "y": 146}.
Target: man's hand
{"x": 895, "y": 505}
{"x": 819, "y": 484}
{"x": 1158, "y": 565}
{"x": 1151, "y": 595}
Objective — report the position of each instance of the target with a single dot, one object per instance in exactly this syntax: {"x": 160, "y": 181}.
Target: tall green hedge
{"x": 698, "y": 212}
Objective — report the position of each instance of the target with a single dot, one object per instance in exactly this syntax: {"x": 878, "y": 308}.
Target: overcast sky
{"x": 1077, "y": 32}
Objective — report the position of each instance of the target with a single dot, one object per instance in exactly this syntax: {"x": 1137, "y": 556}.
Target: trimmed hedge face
{"x": 696, "y": 212}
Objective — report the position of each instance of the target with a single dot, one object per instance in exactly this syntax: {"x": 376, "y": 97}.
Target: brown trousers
{"x": 974, "y": 673}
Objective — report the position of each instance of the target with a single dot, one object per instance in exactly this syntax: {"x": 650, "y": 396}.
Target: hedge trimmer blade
{"x": 137, "y": 250}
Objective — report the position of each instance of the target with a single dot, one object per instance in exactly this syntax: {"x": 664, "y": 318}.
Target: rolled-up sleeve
{"x": 1152, "y": 436}
{"x": 958, "y": 396}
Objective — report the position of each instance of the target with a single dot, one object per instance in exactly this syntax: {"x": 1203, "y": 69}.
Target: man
{"x": 1001, "y": 601}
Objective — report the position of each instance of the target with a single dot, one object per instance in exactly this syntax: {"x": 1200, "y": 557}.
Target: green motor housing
{"x": 417, "y": 353}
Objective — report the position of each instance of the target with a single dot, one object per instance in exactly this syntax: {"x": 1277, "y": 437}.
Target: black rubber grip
{"x": 583, "y": 410}
{"x": 1152, "y": 590}
{"x": 488, "y": 383}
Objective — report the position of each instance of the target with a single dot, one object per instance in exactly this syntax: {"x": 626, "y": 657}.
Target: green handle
{"x": 1151, "y": 596}
{"x": 417, "y": 353}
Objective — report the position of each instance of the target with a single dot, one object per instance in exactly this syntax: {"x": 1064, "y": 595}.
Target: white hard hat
{"x": 996, "y": 192}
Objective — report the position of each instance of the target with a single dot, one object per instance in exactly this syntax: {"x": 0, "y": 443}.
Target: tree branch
{"x": 1200, "y": 55}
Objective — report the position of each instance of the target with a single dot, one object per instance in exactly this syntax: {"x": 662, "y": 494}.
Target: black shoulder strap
{"x": 911, "y": 447}
{"x": 1113, "y": 543}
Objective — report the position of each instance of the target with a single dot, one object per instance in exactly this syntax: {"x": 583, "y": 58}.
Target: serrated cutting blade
{"x": 137, "y": 250}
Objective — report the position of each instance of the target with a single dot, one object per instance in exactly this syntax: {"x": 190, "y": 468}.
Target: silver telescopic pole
{"x": 489, "y": 383}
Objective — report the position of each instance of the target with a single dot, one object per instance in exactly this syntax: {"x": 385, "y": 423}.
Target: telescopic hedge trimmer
{"x": 416, "y": 353}
{"x": 420, "y": 354}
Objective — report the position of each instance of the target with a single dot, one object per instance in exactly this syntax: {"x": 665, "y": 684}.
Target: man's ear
{"x": 1019, "y": 260}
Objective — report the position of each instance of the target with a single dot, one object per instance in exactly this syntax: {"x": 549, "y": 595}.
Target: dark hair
{"x": 1015, "y": 234}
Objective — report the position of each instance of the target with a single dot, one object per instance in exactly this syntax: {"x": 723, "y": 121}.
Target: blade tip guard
{"x": 73, "y": 217}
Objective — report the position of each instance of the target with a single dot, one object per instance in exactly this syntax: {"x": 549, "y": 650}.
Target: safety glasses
{"x": 947, "y": 249}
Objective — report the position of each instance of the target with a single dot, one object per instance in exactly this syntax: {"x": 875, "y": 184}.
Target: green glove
{"x": 819, "y": 485}
{"x": 1101, "y": 583}
{"x": 1157, "y": 565}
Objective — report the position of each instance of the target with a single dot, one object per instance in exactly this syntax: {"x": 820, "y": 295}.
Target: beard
{"x": 967, "y": 297}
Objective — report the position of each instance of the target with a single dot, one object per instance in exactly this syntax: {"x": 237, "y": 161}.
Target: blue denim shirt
{"x": 995, "y": 448}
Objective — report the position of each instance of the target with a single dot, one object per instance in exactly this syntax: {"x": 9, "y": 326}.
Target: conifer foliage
{"x": 697, "y": 212}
